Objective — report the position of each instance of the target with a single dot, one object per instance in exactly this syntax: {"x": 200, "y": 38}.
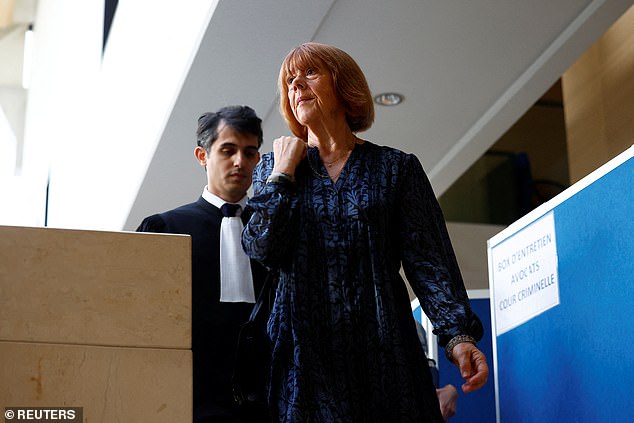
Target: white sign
{"x": 525, "y": 276}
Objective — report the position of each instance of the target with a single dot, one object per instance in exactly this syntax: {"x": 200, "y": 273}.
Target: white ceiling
{"x": 468, "y": 71}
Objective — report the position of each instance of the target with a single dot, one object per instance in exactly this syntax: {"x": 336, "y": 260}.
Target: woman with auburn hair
{"x": 338, "y": 216}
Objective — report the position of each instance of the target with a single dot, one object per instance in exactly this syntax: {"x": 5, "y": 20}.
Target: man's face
{"x": 230, "y": 163}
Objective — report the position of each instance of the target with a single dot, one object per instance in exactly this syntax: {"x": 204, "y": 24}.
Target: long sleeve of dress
{"x": 269, "y": 235}
{"x": 428, "y": 258}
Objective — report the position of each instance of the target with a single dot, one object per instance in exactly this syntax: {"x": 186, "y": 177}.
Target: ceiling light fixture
{"x": 388, "y": 99}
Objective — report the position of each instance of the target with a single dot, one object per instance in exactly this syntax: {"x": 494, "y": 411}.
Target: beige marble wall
{"x": 100, "y": 320}
{"x": 98, "y": 288}
{"x": 112, "y": 384}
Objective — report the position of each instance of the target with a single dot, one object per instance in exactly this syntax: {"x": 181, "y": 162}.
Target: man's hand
{"x": 447, "y": 397}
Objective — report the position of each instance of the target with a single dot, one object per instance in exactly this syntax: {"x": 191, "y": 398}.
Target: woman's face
{"x": 312, "y": 96}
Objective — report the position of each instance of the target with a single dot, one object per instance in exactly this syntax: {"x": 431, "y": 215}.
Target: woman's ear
{"x": 201, "y": 156}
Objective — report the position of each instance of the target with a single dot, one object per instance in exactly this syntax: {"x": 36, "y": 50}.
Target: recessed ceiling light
{"x": 388, "y": 99}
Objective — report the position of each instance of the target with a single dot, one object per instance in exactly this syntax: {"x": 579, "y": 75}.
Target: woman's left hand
{"x": 473, "y": 366}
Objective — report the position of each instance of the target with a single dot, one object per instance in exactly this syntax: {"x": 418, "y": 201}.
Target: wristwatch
{"x": 279, "y": 177}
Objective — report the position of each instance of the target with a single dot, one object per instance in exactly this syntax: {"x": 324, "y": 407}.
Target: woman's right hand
{"x": 288, "y": 153}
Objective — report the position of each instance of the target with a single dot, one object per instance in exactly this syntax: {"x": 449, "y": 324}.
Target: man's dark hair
{"x": 239, "y": 118}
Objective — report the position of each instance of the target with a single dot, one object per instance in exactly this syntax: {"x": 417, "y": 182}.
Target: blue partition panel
{"x": 574, "y": 362}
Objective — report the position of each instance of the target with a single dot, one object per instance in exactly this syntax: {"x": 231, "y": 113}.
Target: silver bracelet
{"x": 277, "y": 177}
{"x": 455, "y": 341}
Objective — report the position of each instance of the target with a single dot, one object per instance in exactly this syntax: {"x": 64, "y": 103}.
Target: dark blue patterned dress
{"x": 345, "y": 347}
